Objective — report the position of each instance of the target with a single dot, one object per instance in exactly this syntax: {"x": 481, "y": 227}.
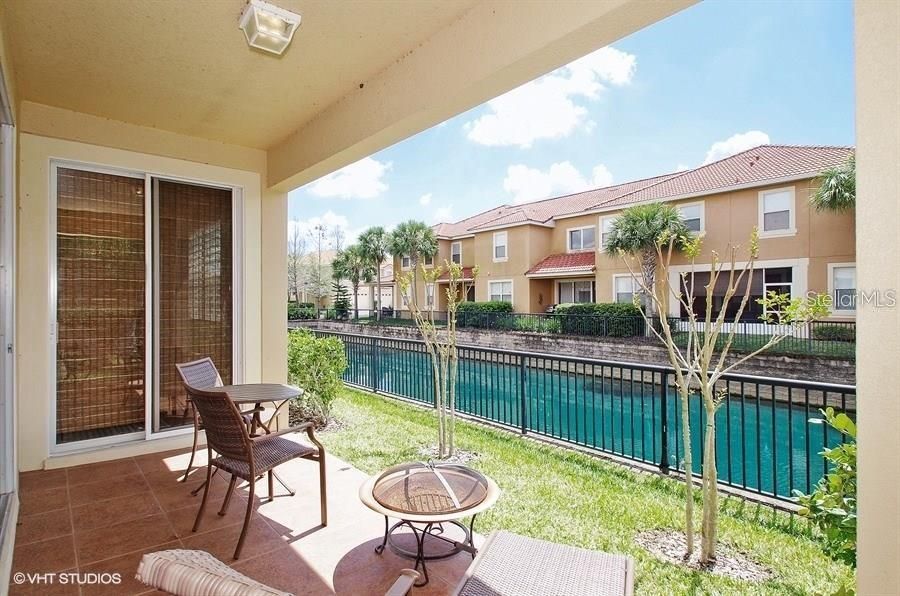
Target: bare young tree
{"x": 296, "y": 256}
{"x": 699, "y": 348}
{"x": 317, "y": 276}
{"x": 440, "y": 343}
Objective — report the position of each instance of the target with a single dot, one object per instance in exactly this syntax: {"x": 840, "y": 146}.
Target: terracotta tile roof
{"x": 757, "y": 166}
{"x": 761, "y": 165}
{"x": 466, "y": 275}
{"x": 565, "y": 263}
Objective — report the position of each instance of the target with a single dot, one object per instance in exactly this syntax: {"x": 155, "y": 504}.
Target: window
{"x": 770, "y": 279}
{"x": 405, "y": 262}
{"x": 843, "y": 288}
{"x": 429, "y": 261}
{"x": 576, "y": 291}
{"x": 776, "y": 212}
{"x": 624, "y": 288}
{"x": 456, "y": 252}
{"x": 582, "y": 238}
{"x": 429, "y": 295}
{"x": 606, "y": 225}
{"x": 500, "y": 253}
{"x": 692, "y": 216}
{"x": 500, "y": 291}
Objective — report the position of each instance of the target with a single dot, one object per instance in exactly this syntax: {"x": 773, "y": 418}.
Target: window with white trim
{"x": 606, "y": 225}
{"x": 776, "y": 211}
{"x": 405, "y": 262}
{"x": 428, "y": 261}
{"x": 500, "y": 291}
{"x": 576, "y": 292}
{"x": 625, "y": 288}
{"x": 843, "y": 284}
{"x": 692, "y": 216}
{"x": 582, "y": 238}
{"x": 429, "y": 295}
{"x": 500, "y": 247}
{"x": 456, "y": 252}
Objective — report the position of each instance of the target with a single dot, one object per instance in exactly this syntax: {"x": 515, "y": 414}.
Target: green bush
{"x": 601, "y": 320}
{"x": 316, "y": 365}
{"x": 485, "y": 315}
{"x": 832, "y": 505}
{"x": 538, "y": 324}
{"x": 300, "y": 310}
{"x": 833, "y": 332}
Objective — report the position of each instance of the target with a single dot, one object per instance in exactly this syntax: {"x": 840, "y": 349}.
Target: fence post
{"x": 523, "y": 394}
{"x": 664, "y": 422}
{"x": 374, "y": 365}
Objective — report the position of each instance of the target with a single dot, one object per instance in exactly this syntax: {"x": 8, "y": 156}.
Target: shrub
{"x": 301, "y": 310}
{"x": 601, "y": 320}
{"x": 832, "y": 505}
{"x": 833, "y": 332}
{"x": 538, "y": 324}
{"x": 485, "y": 315}
{"x": 316, "y": 365}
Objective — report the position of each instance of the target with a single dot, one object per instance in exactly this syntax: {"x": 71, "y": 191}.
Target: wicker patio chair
{"x": 247, "y": 457}
{"x": 201, "y": 374}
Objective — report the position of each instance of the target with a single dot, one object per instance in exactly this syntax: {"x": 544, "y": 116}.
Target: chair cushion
{"x": 197, "y": 573}
{"x": 266, "y": 454}
{"x": 512, "y": 565}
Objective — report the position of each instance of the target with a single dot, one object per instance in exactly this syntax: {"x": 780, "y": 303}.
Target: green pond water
{"x": 763, "y": 445}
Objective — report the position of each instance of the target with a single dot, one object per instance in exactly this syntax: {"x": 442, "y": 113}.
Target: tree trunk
{"x": 710, "y": 489}
{"x": 451, "y": 421}
{"x": 356, "y": 301}
{"x": 688, "y": 468}
{"x": 648, "y": 270}
{"x": 378, "y": 298}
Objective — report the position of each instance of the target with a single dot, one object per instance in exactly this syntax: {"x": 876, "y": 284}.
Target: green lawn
{"x": 568, "y": 497}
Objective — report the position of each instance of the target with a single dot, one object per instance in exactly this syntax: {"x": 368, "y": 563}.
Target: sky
{"x": 715, "y": 79}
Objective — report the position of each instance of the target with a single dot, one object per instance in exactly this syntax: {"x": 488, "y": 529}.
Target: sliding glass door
{"x": 193, "y": 245}
{"x": 100, "y": 305}
{"x": 141, "y": 283}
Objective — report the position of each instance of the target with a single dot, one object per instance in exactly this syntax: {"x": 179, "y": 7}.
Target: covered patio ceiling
{"x": 358, "y": 76}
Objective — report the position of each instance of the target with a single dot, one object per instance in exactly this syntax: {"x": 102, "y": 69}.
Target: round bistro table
{"x": 426, "y": 497}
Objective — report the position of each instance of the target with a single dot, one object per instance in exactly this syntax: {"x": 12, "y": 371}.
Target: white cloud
{"x": 360, "y": 180}
{"x": 682, "y": 167}
{"x": 442, "y": 214}
{"x": 546, "y": 108}
{"x": 330, "y": 221}
{"x": 425, "y": 199}
{"x": 529, "y": 184}
{"x": 735, "y": 144}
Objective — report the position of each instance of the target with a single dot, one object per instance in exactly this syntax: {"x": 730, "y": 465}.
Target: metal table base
{"x": 429, "y": 530}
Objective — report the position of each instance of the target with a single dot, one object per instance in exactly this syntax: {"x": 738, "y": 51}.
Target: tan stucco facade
{"x": 817, "y": 242}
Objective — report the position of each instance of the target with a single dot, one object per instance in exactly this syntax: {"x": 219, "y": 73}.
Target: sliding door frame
{"x": 150, "y": 282}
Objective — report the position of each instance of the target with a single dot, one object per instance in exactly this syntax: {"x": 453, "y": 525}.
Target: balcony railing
{"x": 770, "y": 431}
{"x": 832, "y": 339}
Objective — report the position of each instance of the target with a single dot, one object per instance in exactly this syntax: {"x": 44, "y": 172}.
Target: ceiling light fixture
{"x": 268, "y": 27}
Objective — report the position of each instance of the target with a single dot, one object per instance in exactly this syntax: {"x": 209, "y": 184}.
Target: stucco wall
{"x": 263, "y": 247}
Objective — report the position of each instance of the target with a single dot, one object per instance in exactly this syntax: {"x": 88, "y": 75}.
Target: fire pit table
{"x": 429, "y": 499}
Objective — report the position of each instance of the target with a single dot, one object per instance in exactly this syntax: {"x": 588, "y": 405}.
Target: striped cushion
{"x": 197, "y": 573}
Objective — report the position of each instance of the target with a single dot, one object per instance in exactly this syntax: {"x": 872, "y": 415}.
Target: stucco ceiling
{"x": 184, "y": 66}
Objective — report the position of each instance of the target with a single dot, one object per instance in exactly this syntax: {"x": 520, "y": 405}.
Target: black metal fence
{"x": 770, "y": 431}
{"x": 832, "y": 339}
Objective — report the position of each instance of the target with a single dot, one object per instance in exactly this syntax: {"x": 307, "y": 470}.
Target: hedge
{"x": 601, "y": 320}
{"x": 831, "y": 332}
{"x": 301, "y": 310}
{"x": 493, "y": 314}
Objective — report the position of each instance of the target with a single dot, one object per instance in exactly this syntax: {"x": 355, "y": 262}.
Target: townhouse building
{"x": 548, "y": 252}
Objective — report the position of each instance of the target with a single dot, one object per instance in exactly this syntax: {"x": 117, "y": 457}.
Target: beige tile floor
{"x": 102, "y": 517}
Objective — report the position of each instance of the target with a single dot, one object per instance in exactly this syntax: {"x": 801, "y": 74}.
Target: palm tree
{"x": 351, "y": 264}
{"x": 837, "y": 188}
{"x": 414, "y": 239}
{"x": 636, "y": 232}
{"x": 374, "y": 244}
